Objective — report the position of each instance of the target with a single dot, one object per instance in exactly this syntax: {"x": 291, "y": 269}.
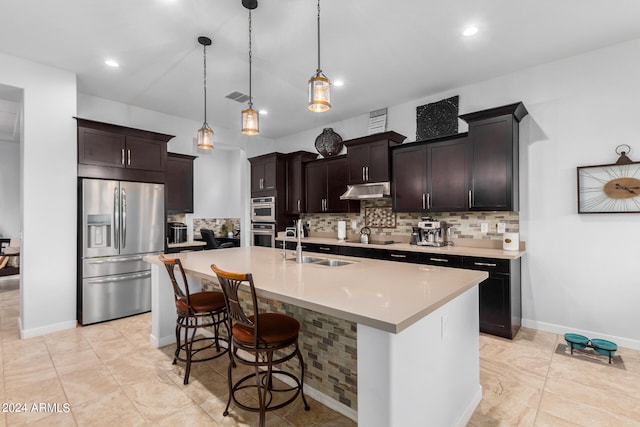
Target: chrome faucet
{"x": 299, "y": 245}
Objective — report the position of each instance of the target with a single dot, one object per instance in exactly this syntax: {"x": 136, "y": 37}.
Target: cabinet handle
{"x": 363, "y": 178}
{"x": 470, "y": 200}
{"x": 485, "y": 264}
{"x": 424, "y": 206}
{"x": 324, "y": 248}
{"x": 398, "y": 256}
{"x": 367, "y": 169}
{"x": 122, "y": 158}
{"x": 428, "y": 200}
{"x": 128, "y": 157}
{"x": 298, "y": 205}
{"x": 438, "y": 259}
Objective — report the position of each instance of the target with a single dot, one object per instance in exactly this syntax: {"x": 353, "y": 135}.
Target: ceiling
{"x": 386, "y": 52}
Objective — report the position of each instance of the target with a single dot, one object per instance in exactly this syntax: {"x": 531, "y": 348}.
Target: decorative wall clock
{"x": 610, "y": 188}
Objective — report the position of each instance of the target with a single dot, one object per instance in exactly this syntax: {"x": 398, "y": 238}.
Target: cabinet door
{"x": 378, "y": 167}
{"x": 257, "y": 175}
{"x": 316, "y": 185}
{"x": 101, "y": 148}
{"x": 179, "y": 184}
{"x": 448, "y": 176}
{"x": 270, "y": 176}
{"x": 492, "y": 164}
{"x": 146, "y": 154}
{"x": 295, "y": 193}
{"x": 408, "y": 182}
{"x": 495, "y": 308}
{"x": 337, "y": 176}
{"x": 357, "y": 160}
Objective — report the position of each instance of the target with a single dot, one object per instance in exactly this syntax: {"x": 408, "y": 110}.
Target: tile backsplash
{"x": 377, "y": 215}
{"x": 215, "y": 224}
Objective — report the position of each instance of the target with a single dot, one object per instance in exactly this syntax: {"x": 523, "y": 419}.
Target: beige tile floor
{"x": 108, "y": 375}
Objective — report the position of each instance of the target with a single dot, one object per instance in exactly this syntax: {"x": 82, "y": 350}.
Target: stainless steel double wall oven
{"x": 263, "y": 221}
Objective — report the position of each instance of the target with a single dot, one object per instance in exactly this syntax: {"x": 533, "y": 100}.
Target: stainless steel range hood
{"x": 372, "y": 190}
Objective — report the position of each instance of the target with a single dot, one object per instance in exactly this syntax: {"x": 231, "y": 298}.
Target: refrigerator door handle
{"x": 120, "y": 278}
{"x": 116, "y": 216}
{"x": 124, "y": 218}
{"x": 111, "y": 260}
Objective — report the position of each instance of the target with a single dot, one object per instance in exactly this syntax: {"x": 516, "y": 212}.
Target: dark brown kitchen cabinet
{"x": 494, "y": 140}
{"x": 443, "y": 260}
{"x": 117, "y": 152}
{"x": 296, "y": 181}
{"x": 499, "y": 296}
{"x": 326, "y": 180}
{"x": 268, "y": 174}
{"x": 179, "y": 183}
{"x": 431, "y": 177}
{"x": 368, "y": 157}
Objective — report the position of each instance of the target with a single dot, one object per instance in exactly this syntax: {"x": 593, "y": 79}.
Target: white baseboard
{"x": 560, "y": 329}
{"x": 473, "y": 405}
{"x": 36, "y": 332}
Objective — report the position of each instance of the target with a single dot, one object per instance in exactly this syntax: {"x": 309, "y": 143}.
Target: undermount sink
{"x": 330, "y": 262}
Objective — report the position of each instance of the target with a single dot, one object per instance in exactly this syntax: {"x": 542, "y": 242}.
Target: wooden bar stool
{"x": 261, "y": 340}
{"x": 196, "y": 310}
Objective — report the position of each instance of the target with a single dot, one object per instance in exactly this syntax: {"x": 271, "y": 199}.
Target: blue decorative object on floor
{"x": 600, "y": 346}
{"x": 576, "y": 341}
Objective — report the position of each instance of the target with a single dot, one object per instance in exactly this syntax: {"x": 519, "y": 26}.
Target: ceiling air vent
{"x": 238, "y": 96}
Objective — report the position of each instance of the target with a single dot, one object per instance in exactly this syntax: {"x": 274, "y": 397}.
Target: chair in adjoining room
{"x": 261, "y": 340}
{"x": 196, "y": 310}
{"x": 212, "y": 243}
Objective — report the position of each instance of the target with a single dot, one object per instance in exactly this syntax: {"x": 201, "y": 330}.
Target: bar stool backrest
{"x": 230, "y": 284}
{"x": 178, "y": 292}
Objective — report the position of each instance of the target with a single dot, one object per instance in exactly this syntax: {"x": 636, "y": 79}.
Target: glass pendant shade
{"x": 250, "y": 122}
{"x": 205, "y": 137}
{"x": 319, "y": 93}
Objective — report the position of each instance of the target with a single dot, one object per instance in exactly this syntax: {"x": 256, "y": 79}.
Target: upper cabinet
{"x": 117, "y": 152}
{"x": 474, "y": 171}
{"x": 268, "y": 174}
{"x": 368, "y": 157}
{"x": 179, "y": 183}
{"x": 494, "y": 140}
{"x": 326, "y": 180}
{"x": 431, "y": 176}
{"x": 296, "y": 187}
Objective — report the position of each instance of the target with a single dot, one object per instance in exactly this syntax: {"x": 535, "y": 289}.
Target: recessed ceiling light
{"x": 264, "y": 112}
{"x": 470, "y": 31}
{"x": 112, "y": 63}
{"x": 338, "y": 83}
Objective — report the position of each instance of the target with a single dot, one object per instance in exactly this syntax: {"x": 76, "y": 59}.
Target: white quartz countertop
{"x": 187, "y": 244}
{"x": 385, "y": 295}
{"x": 450, "y": 250}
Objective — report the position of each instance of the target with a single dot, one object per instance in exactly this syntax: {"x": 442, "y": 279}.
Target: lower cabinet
{"x": 500, "y": 296}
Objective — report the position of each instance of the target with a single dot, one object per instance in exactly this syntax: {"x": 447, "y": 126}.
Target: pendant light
{"x": 319, "y": 85}
{"x": 205, "y": 133}
{"x": 250, "y": 117}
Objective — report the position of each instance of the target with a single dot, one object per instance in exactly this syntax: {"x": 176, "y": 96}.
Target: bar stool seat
{"x": 195, "y": 311}
{"x": 263, "y": 341}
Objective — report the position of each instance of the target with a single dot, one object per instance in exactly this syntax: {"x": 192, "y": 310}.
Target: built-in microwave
{"x": 263, "y": 209}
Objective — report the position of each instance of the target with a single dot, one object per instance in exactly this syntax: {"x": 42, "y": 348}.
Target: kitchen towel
{"x": 342, "y": 230}
{"x": 511, "y": 241}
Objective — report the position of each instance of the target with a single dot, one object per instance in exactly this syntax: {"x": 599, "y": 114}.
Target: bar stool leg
{"x": 299, "y": 354}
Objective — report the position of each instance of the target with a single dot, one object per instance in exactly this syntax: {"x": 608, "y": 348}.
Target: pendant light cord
{"x": 204, "y": 47}
{"x": 250, "y": 61}
{"x": 319, "y": 70}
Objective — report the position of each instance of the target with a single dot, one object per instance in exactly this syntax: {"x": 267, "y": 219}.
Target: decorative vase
{"x": 328, "y": 143}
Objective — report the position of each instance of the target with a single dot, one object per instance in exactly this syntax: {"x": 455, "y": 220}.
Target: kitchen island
{"x": 417, "y": 326}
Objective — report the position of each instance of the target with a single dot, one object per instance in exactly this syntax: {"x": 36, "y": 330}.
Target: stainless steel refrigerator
{"x": 120, "y": 222}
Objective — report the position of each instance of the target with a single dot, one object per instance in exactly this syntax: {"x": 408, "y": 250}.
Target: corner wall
{"x": 48, "y": 207}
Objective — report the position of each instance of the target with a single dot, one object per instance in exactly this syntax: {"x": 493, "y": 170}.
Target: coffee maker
{"x": 429, "y": 233}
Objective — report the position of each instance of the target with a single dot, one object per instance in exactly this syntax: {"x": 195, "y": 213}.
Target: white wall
{"x": 48, "y": 207}
{"x": 579, "y": 273}
{"x": 9, "y": 189}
